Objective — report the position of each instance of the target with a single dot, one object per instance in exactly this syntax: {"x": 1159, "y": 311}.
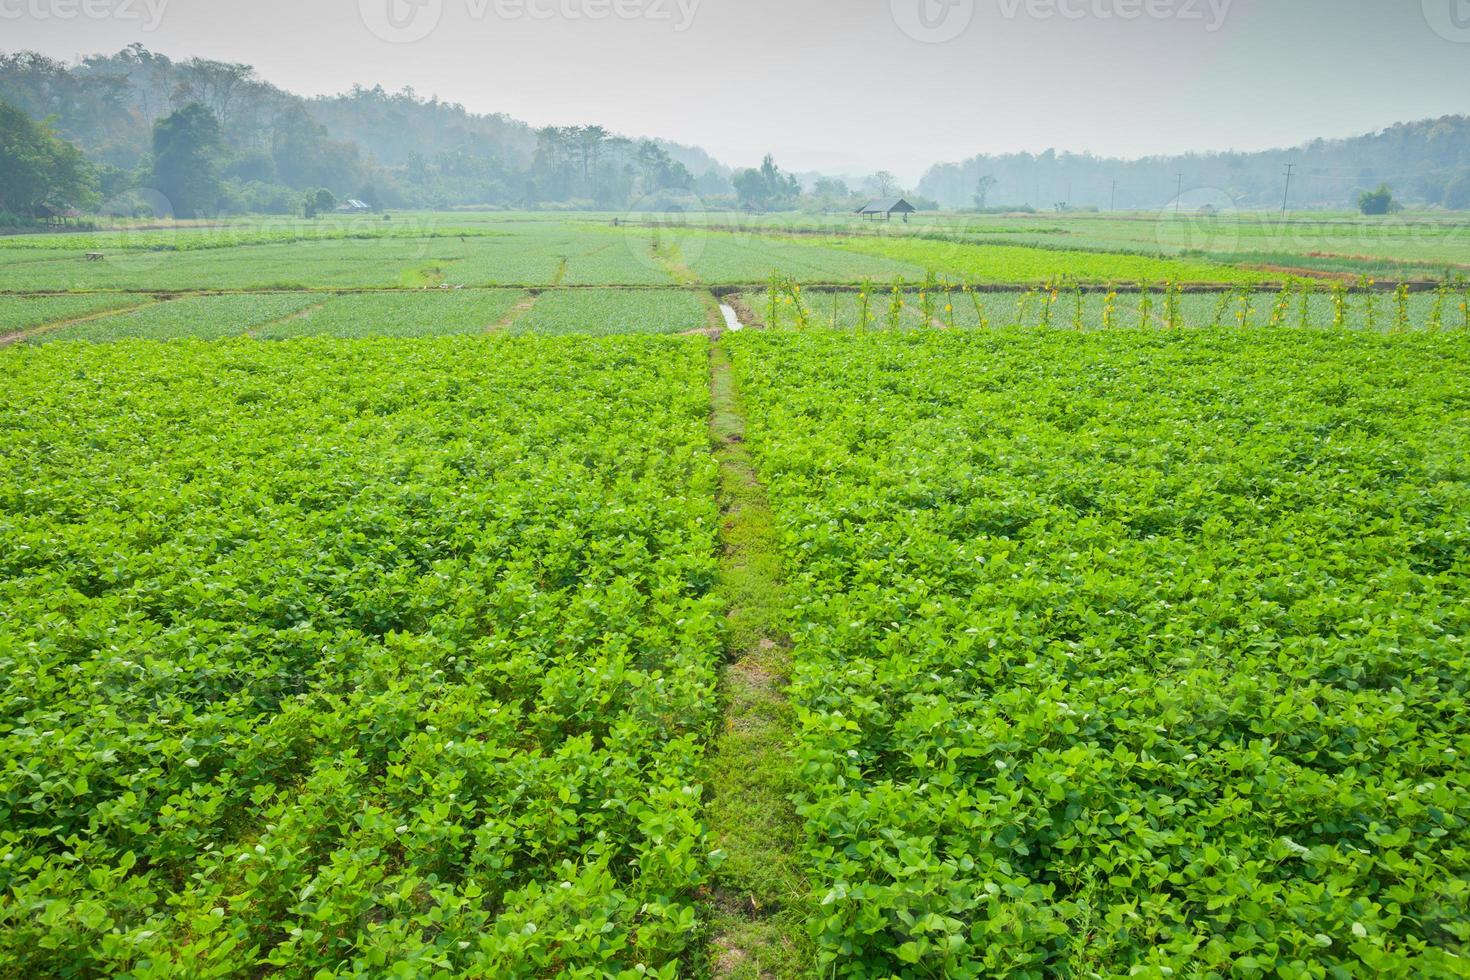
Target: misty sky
{"x": 843, "y": 86}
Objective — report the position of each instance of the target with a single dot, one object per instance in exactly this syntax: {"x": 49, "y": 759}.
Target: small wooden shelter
{"x": 873, "y": 210}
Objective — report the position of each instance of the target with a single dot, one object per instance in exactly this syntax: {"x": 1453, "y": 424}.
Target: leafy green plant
{"x": 1436, "y": 312}
{"x": 980, "y": 319}
{"x": 1048, "y": 301}
{"x": 798, "y": 304}
{"x": 1281, "y": 307}
{"x": 1023, "y": 306}
{"x": 1370, "y": 304}
{"x": 926, "y": 298}
{"x": 1245, "y": 307}
{"x": 1339, "y": 305}
{"x": 1171, "y": 305}
{"x": 1222, "y": 307}
{"x": 895, "y": 306}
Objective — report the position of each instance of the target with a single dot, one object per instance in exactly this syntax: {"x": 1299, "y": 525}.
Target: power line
{"x": 1285, "y": 198}
{"x": 1179, "y": 196}
{"x": 1113, "y": 201}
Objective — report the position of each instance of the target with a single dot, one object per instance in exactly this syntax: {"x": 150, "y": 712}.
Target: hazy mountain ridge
{"x": 1426, "y": 162}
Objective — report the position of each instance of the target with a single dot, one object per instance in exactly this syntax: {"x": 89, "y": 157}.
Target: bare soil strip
{"x": 522, "y": 307}
{"x": 17, "y": 336}
{"x": 759, "y": 903}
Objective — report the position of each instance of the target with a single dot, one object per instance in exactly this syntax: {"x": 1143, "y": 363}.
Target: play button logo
{"x": 401, "y": 21}
{"x": 1450, "y": 19}
{"x": 933, "y": 21}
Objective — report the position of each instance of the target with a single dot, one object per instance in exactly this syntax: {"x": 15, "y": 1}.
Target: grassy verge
{"x": 757, "y": 908}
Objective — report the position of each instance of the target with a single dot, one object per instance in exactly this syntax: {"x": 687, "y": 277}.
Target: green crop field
{"x": 1126, "y": 652}
{"x": 19, "y": 314}
{"x": 193, "y": 316}
{"x": 340, "y": 654}
{"x": 400, "y": 314}
{"x": 611, "y": 311}
{"x": 1012, "y": 596}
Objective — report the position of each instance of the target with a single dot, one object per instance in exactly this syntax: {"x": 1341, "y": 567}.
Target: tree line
{"x": 212, "y": 138}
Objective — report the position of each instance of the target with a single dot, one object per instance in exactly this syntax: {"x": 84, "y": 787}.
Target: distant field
{"x": 409, "y": 314}
{"x": 206, "y": 317}
{"x": 1422, "y": 245}
{"x": 610, "y": 311}
{"x": 415, "y": 250}
{"x": 18, "y": 314}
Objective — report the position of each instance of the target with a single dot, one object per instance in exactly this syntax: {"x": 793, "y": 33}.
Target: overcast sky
{"x": 843, "y": 86}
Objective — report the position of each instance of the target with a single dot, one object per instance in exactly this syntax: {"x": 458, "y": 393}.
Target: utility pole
{"x": 1179, "y": 196}
{"x": 1113, "y": 201}
{"x": 1287, "y": 196}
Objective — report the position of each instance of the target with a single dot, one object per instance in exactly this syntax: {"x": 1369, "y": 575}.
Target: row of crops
{"x": 278, "y": 316}
{"x": 1127, "y": 654}
{"x": 546, "y": 254}
{"x": 404, "y": 313}
{"x": 937, "y": 302}
{"x": 359, "y": 656}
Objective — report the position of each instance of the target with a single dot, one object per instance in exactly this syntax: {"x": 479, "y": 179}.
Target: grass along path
{"x": 757, "y": 906}
{"x": 254, "y": 332}
{"x": 522, "y": 307}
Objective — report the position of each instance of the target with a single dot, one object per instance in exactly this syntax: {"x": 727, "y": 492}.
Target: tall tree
{"x": 37, "y": 167}
{"x": 184, "y": 148}
{"x": 983, "y": 186}
{"x": 883, "y": 183}
{"x": 768, "y": 188}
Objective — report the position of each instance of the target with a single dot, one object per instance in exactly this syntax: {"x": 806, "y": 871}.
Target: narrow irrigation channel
{"x": 732, "y": 319}
{"x": 757, "y": 905}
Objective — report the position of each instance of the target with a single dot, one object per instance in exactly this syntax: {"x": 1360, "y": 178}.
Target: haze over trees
{"x": 391, "y": 150}
{"x": 268, "y": 151}
{"x": 37, "y": 169}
